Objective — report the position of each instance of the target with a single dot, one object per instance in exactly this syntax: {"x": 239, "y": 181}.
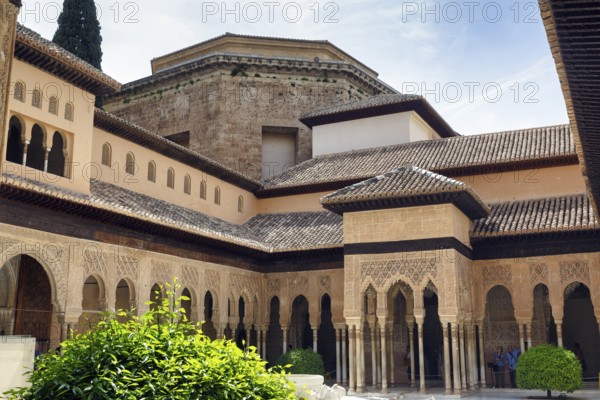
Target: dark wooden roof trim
{"x": 142, "y": 137}
{"x": 536, "y": 245}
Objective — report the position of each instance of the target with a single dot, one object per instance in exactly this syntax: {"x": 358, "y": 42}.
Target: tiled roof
{"x": 406, "y": 187}
{"x": 46, "y": 55}
{"x": 574, "y": 39}
{"x": 127, "y": 130}
{"x": 375, "y": 101}
{"x": 298, "y": 230}
{"x": 456, "y": 156}
{"x": 377, "y": 106}
{"x": 551, "y": 215}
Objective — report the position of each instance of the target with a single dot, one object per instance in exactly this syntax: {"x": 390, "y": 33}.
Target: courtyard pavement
{"x": 480, "y": 394}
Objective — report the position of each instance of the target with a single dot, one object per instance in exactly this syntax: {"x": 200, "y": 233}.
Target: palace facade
{"x": 299, "y": 201}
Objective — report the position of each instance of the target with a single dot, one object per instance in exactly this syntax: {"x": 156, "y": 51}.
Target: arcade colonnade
{"x": 451, "y": 312}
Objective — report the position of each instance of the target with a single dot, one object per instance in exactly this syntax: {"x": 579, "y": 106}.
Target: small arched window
{"x": 218, "y": 195}
{"x": 20, "y": 92}
{"x": 53, "y": 105}
{"x": 106, "y": 154}
{"x": 69, "y": 112}
{"x": 241, "y": 204}
{"x": 171, "y": 178}
{"x": 152, "y": 171}
{"x": 36, "y": 152}
{"x": 14, "y": 146}
{"x": 130, "y": 164}
{"x": 187, "y": 185}
{"x": 36, "y": 98}
{"x": 203, "y": 190}
{"x": 56, "y": 157}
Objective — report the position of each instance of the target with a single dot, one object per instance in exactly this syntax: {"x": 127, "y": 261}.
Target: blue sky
{"x": 485, "y": 66}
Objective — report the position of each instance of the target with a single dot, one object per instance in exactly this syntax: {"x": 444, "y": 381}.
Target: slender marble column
{"x": 472, "y": 356}
{"x": 528, "y": 330}
{"x": 447, "y": 381}
{"x": 481, "y": 355}
{"x": 463, "y": 370}
{"x": 559, "y": 335}
{"x": 522, "y": 337}
{"x": 285, "y": 338}
{"x": 373, "y": 332}
{"x": 344, "y": 360}
{"x": 421, "y": 356}
{"x": 455, "y": 358}
{"x": 338, "y": 364}
{"x": 352, "y": 355}
{"x": 390, "y": 333}
{"x": 315, "y": 339}
{"x": 384, "y": 354}
{"x": 360, "y": 356}
{"x": 411, "y": 344}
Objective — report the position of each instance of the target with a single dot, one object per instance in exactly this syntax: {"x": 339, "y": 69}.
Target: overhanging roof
{"x": 573, "y": 29}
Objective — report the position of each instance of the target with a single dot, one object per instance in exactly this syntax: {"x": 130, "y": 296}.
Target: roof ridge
{"x": 420, "y": 142}
{"x": 31, "y": 37}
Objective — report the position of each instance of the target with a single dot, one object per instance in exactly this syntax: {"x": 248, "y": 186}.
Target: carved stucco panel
{"x": 576, "y": 270}
{"x": 497, "y": 275}
{"x": 383, "y": 274}
{"x": 538, "y": 273}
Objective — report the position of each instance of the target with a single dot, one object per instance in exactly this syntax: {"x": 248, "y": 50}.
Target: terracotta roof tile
{"x": 452, "y": 157}
{"x": 286, "y": 232}
{"x": 551, "y": 215}
{"x": 300, "y": 230}
{"x": 407, "y": 186}
{"x": 375, "y": 101}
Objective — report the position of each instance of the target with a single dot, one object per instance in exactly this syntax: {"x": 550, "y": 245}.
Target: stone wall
{"x": 225, "y": 114}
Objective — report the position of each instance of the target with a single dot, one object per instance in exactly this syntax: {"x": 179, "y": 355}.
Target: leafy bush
{"x": 157, "y": 356}
{"x": 302, "y": 361}
{"x": 548, "y": 367}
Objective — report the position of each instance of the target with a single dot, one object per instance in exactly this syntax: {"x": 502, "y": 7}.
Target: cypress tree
{"x": 79, "y": 31}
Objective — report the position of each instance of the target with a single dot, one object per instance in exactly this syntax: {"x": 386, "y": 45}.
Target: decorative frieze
{"x": 576, "y": 270}
{"x": 383, "y": 274}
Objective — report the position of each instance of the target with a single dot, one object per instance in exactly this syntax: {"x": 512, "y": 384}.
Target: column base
{"x": 422, "y": 391}
{"x": 448, "y": 392}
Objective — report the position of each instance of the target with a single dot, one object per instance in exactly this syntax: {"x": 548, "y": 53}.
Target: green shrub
{"x": 157, "y": 356}
{"x": 548, "y": 367}
{"x": 302, "y": 361}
